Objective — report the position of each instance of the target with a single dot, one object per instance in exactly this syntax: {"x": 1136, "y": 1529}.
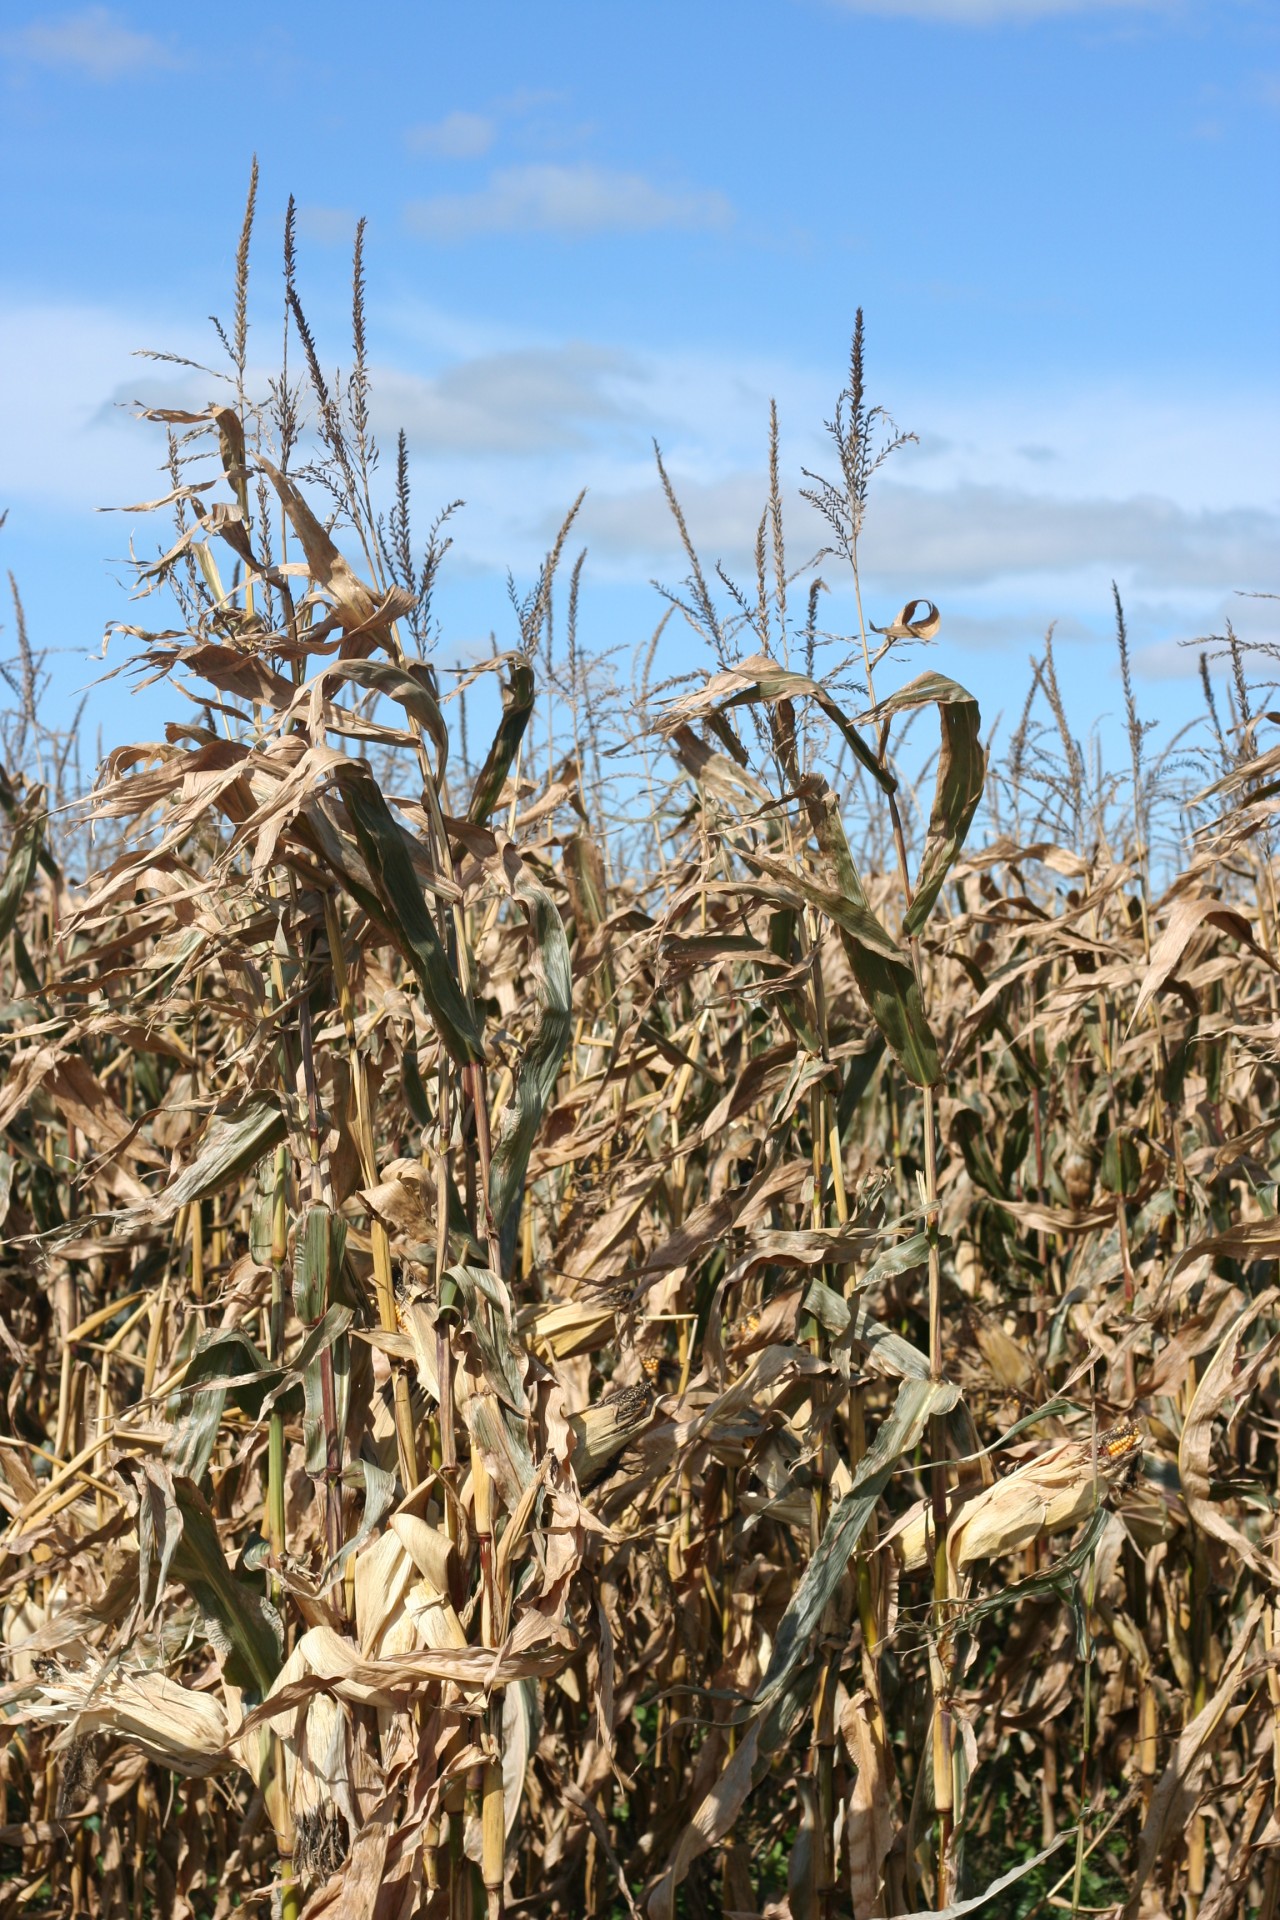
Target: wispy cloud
{"x": 988, "y": 13}
{"x": 534, "y": 400}
{"x": 974, "y": 534}
{"x": 968, "y": 536}
{"x": 573, "y": 201}
{"x": 459, "y": 136}
{"x": 1253, "y": 620}
{"x": 93, "y": 41}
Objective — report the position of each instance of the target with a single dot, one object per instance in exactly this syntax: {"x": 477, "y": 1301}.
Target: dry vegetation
{"x": 647, "y": 1326}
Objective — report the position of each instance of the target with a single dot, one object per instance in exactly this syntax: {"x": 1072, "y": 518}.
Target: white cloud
{"x": 569, "y": 200}
{"x": 62, "y": 445}
{"x": 532, "y": 400}
{"x": 965, "y": 536}
{"x": 94, "y": 42}
{"x": 986, "y": 13}
{"x": 1254, "y": 619}
{"x": 459, "y": 136}
{"x": 975, "y": 534}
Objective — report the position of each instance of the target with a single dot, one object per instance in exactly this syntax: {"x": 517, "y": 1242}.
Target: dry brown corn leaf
{"x": 175, "y": 1726}
{"x": 1250, "y": 1240}
{"x": 1221, "y": 1385}
{"x": 869, "y": 1813}
{"x": 711, "y": 1821}
{"x": 1174, "y": 1796}
{"x": 1184, "y": 922}
{"x": 760, "y": 678}
{"x": 353, "y": 601}
{"x": 333, "y": 1664}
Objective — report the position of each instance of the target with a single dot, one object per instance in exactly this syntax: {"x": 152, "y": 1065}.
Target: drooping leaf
{"x": 326, "y": 1340}
{"x": 379, "y": 1490}
{"x": 24, "y": 852}
{"x": 248, "y": 1630}
{"x": 962, "y": 767}
{"x": 225, "y": 1362}
{"x": 405, "y": 913}
{"x": 517, "y": 710}
{"x": 411, "y": 684}
{"x": 234, "y": 1141}
{"x": 551, "y": 976}
{"x": 884, "y": 973}
{"x": 916, "y": 1402}
{"x": 955, "y": 1909}
{"x": 761, "y": 679}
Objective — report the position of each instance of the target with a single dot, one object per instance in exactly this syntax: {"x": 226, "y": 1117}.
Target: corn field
{"x": 676, "y": 1318}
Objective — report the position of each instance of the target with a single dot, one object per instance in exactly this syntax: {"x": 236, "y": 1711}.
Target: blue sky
{"x": 592, "y": 226}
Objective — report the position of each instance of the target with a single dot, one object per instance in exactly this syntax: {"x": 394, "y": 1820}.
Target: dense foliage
{"x": 652, "y": 1325}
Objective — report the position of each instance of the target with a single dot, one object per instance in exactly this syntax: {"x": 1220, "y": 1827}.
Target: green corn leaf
{"x": 517, "y": 710}
{"x": 884, "y": 973}
{"x": 225, "y": 1362}
{"x": 319, "y": 1249}
{"x": 981, "y": 1902}
{"x": 415, "y": 1092}
{"x": 234, "y": 1140}
{"x": 242, "y": 1625}
{"x": 552, "y": 979}
{"x": 328, "y": 1334}
{"x": 24, "y": 852}
{"x": 501, "y": 1357}
{"x": 962, "y": 768}
{"x": 404, "y": 912}
{"x": 889, "y": 1351}
{"x": 379, "y": 1490}
{"x": 917, "y": 1402}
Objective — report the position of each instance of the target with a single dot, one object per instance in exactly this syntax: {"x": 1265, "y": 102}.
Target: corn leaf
{"x": 916, "y": 1402}
{"x": 885, "y": 976}
{"x": 225, "y": 1363}
{"x": 244, "y": 1628}
{"x": 551, "y": 976}
{"x": 962, "y": 768}
{"x": 759, "y": 679}
{"x": 977, "y": 1901}
{"x": 234, "y": 1141}
{"x": 405, "y": 914}
{"x": 517, "y": 710}
{"x": 411, "y": 684}
{"x": 24, "y": 852}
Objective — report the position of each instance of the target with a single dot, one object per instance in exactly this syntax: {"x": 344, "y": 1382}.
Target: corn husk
{"x": 174, "y": 1726}
{"x": 602, "y": 1431}
{"x": 317, "y": 1765}
{"x": 1051, "y": 1493}
{"x": 570, "y": 1327}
